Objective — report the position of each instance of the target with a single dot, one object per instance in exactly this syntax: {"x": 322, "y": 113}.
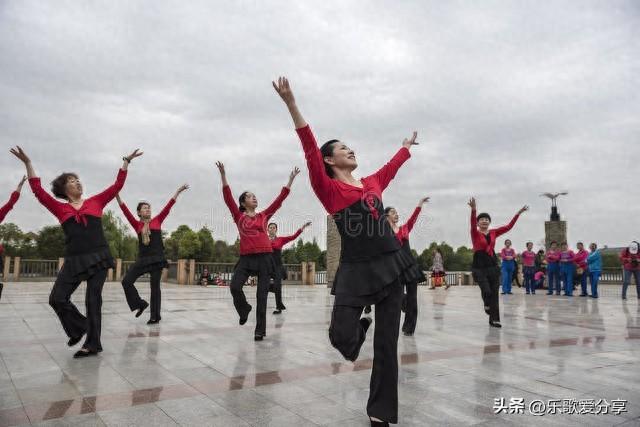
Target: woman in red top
{"x": 87, "y": 256}
{"x": 630, "y": 258}
{"x": 484, "y": 269}
{"x": 255, "y": 249}
{"x": 151, "y": 257}
{"x": 371, "y": 260}
{"x": 277, "y": 243}
{"x": 4, "y": 210}
{"x": 413, "y": 275}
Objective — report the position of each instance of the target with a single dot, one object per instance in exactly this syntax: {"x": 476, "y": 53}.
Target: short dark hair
{"x": 483, "y": 215}
{"x": 327, "y": 151}
{"x": 58, "y": 185}
{"x": 388, "y": 209}
{"x": 552, "y": 242}
{"x": 526, "y": 244}
{"x": 141, "y": 204}
{"x": 241, "y": 200}
{"x": 272, "y": 223}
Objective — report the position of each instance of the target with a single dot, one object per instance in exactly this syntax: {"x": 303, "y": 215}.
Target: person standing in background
{"x": 528, "y": 268}
{"x": 594, "y": 261}
{"x": 553, "y": 268}
{"x": 508, "y": 257}
{"x": 630, "y": 258}
{"x": 567, "y": 268}
{"x": 582, "y": 269}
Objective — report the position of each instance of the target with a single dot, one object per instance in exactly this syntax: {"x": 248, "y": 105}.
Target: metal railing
{"x": 38, "y": 269}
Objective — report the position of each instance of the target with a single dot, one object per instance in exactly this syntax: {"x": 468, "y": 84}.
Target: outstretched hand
{"x": 472, "y": 203}
{"x": 136, "y": 153}
{"x": 220, "y": 166}
{"x": 423, "y": 201}
{"x": 523, "y": 209}
{"x": 20, "y": 154}
{"x": 294, "y": 173}
{"x": 306, "y": 224}
{"x": 408, "y": 142}
{"x": 182, "y": 188}
{"x": 283, "y": 89}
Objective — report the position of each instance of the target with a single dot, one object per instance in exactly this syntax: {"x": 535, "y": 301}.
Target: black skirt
{"x": 364, "y": 283}
{"x": 257, "y": 263}
{"x": 147, "y": 264}
{"x": 413, "y": 275}
{"x": 81, "y": 267}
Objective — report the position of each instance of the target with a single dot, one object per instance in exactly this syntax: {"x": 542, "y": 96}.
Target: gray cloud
{"x": 510, "y": 99}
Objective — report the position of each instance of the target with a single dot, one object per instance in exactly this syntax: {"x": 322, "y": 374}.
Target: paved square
{"x": 198, "y": 367}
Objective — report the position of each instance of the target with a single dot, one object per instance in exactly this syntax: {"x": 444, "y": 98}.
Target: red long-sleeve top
{"x": 336, "y": 195}
{"x": 92, "y": 206}
{"x": 479, "y": 240}
{"x": 278, "y": 242}
{"x": 629, "y": 260}
{"x": 4, "y": 210}
{"x": 580, "y": 258}
{"x": 566, "y": 257}
{"x": 552, "y": 256}
{"x": 510, "y": 252}
{"x": 405, "y": 229}
{"x": 253, "y": 229}
{"x": 156, "y": 221}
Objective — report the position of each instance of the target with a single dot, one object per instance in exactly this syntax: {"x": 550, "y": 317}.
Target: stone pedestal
{"x": 555, "y": 230}
{"x": 333, "y": 250}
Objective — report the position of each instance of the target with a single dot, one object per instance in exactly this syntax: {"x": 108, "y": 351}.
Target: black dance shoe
{"x": 258, "y": 337}
{"x": 277, "y": 311}
{"x": 378, "y": 423}
{"x": 367, "y": 309}
{"x": 495, "y": 324}
{"x": 245, "y": 315}
{"x": 75, "y": 340}
{"x": 282, "y": 307}
{"x": 81, "y": 354}
{"x": 153, "y": 321}
{"x": 1, "y": 286}
{"x": 408, "y": 334}
{"x": 142, "y": 308}
{"x": 366, "y": 322}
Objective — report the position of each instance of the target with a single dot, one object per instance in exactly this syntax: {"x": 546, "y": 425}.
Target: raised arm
{"x": 127, "y": 213}
{"x": 107, "y": 195}
{"x": 4, "y": 210}
{"x": 474, "y": 220}
{"x": 227, "y": 196}
{"x": 386, "y": 173}
{"x": 172, "y": 201}
{"x": 411, "y": 221}
{"x": 275, "y": 205}
{"x": 505, "y": 228}
{"x": 47, "y": 200}
{"x": 294, "y": 236}
{"x": 283, "y": 88}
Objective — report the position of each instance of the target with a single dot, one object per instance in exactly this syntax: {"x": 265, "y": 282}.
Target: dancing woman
{"x": 151, "y": 257}
{"x": 371, "y": 262}
{"x": 485, "y": 269}
{"x": 277, "y": 243}
{"x": 412, "y": 276}
{"x": 255, "y": 249}
{"x": 87, "y": 256}
{"x": 4, "y": 210}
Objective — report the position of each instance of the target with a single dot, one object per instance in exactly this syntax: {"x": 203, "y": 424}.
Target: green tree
{"x": 206, "y": 251}
{"x": 50, "y": 242}
{"x": 183, "y": 243}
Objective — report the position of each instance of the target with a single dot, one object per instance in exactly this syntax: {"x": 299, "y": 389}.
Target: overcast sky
{"x": 510, "y": 99}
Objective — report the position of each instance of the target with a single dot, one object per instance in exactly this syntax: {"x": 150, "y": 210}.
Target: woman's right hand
{"x": 20, "y": 154}
{"x": 220, "y": 166}
{"x": 472, "y": 203}
{"x": 283, "y": 89}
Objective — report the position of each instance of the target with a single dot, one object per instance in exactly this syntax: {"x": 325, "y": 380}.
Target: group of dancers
{"x": 376, "y": 265}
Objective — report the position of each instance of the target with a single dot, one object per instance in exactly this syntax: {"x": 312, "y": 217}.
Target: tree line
{"x": 186, "y": 243}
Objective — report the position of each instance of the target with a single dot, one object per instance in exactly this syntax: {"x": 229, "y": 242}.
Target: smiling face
{"x": 338, "y": 156}
{"x": 484, "y": 223}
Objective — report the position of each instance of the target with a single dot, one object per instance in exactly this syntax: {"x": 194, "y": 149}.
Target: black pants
{"x": 131, "y": 293}
{"x": 73, "y": 322}
{"x": 488, "y": 279}
{"x": 276, "y": 288}
{"x": 410, "y": 307}
{"x": 240, "y": 276}
{"x": 347, "y": 335}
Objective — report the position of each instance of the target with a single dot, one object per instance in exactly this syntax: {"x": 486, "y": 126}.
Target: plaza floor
{"x": 576, "y": 356}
